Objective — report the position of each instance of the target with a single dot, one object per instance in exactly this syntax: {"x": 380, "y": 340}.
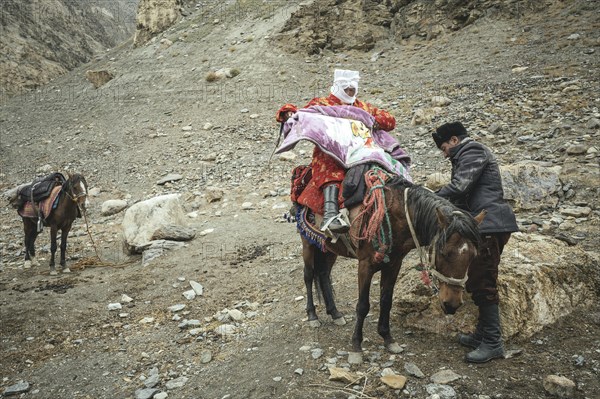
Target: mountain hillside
{"x": 42, "y": 39}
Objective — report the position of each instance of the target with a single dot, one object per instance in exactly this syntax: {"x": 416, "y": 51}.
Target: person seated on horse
{"x": 323, "y": 190}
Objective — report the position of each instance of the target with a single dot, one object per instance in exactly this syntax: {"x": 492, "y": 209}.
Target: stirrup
{"x": 341, "y": 217}
{"x": 40, "y": 225}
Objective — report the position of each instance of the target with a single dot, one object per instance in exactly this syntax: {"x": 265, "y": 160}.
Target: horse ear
{"x": 479, "y": 218}
{"x": 442, "y": 220}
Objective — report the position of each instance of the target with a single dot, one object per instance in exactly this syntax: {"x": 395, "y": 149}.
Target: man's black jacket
{"x": 476, "y": 185}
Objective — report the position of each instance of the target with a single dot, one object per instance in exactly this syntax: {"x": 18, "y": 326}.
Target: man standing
{"x": 476, "y": 185}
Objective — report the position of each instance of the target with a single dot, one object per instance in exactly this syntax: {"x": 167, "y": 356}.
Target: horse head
{"x": 451, "y": 253}
{"x": 77, "y": 189}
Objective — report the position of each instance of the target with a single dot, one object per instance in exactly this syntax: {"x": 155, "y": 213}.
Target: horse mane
{"x": 424, "y": 205}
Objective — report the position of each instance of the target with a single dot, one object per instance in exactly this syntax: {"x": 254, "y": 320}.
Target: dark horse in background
{"x": 453, "y": 238}
{"x": 71, "y": 200}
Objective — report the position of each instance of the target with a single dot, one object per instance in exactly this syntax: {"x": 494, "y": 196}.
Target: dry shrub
{"x": 212, "y": 77}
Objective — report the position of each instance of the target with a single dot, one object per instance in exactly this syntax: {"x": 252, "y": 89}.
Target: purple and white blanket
{"x": 345, "y": 133}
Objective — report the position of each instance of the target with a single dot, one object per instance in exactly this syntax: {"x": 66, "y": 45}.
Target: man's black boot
{"x": 472, "y": 340}
{"x": 491, "y": 346}
{"x": 331, "y": 211}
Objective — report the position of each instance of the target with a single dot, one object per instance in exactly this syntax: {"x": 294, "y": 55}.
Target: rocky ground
{"x": 526, "y": 86}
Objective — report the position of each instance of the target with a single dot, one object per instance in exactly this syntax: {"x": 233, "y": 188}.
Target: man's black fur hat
{"x": 446, "y": 131}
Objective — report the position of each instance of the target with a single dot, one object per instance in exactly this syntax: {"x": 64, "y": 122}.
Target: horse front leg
{"x": 365, "y": 275}
{"x": 53, "y": 234}
{"x": 64, "y": 233}
{"x": 389, "y": 274}
{"x": 308, "y": 254}
{"x": 324, "y": 265}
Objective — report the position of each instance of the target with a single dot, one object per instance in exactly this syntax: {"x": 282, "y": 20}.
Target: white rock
{"x": 176, "y": 308}
{"x": 126, "y": 298}
{"x": 519, "y": 69}
{"x": 247, "y": 205}
{"x": 559, "y": 386}
{"x": 316, "y": 353}
{"x": 197, "y": 287}
{"x": 236, "y": 315}
{"x": 207, "y": 126}
{"x": 171, "y": 177}
{"x": 161, "y": 395}
{"x": 225, "y": 329}
{"x": 205, "y": 232}
{"x": 205, "y": 356}
{"x": 440, "y": 101}
{"x": 189, "y": 294}
{"x": 112, "y": 207}
{"x": 114, "y": 306}
{"x": 186, "y": 128}
{"x": 176, "y": 383}
{"x": 141, "y": 220}
{"x": 147, "y": 320}
{"x": 444, "y": 377}
{"x": 287, "y": 156}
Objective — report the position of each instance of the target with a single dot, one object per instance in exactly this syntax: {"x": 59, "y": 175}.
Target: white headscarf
{"x": 342, "y": 79}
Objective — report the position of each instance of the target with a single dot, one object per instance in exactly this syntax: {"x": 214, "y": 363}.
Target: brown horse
{"x": 72, "y": 198}
{"x": 452, "y": 237}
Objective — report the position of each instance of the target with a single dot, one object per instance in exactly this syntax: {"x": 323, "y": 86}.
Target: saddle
{"x": 39, "y": 189}
{"x": 353, "y": 186}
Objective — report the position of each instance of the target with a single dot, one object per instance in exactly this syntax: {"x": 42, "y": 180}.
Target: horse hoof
{"x": 340, "y": 321}
{"x": 355, "y": 357}
{"x": 66, "y": 270}
{"x": 27, "y": 264}
{"x": 394, "y": 347}
{"x": 53, "y": 272}
{"x": 314, "y": 323}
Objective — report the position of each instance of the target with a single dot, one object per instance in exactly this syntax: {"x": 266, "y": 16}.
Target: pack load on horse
{"x": 328, "y": 167}
{"x": 53, "y": 201}
{"x": 387, "y": 215}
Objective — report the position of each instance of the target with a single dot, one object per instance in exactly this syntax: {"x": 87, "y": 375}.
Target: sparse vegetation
{"x": 212, "y": 77}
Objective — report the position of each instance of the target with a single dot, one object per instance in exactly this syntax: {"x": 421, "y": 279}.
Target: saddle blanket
{"x": 46, "y": 206}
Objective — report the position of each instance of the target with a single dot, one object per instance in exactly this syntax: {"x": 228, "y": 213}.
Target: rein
{"x": 429, "y": 265}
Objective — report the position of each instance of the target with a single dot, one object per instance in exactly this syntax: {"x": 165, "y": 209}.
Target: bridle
{"x": 72, "y": 196}
{"x": 432, "y": 256}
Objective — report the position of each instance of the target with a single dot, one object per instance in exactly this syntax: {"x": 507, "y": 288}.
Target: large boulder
{"x": 98, "y": 78}
{"x": 528, "y": 185}
{"x": 541, "y": 279}
{"x": 153, "y": 17}
{"x": 144, "y": 219}
{"x": 531, "y": 185}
